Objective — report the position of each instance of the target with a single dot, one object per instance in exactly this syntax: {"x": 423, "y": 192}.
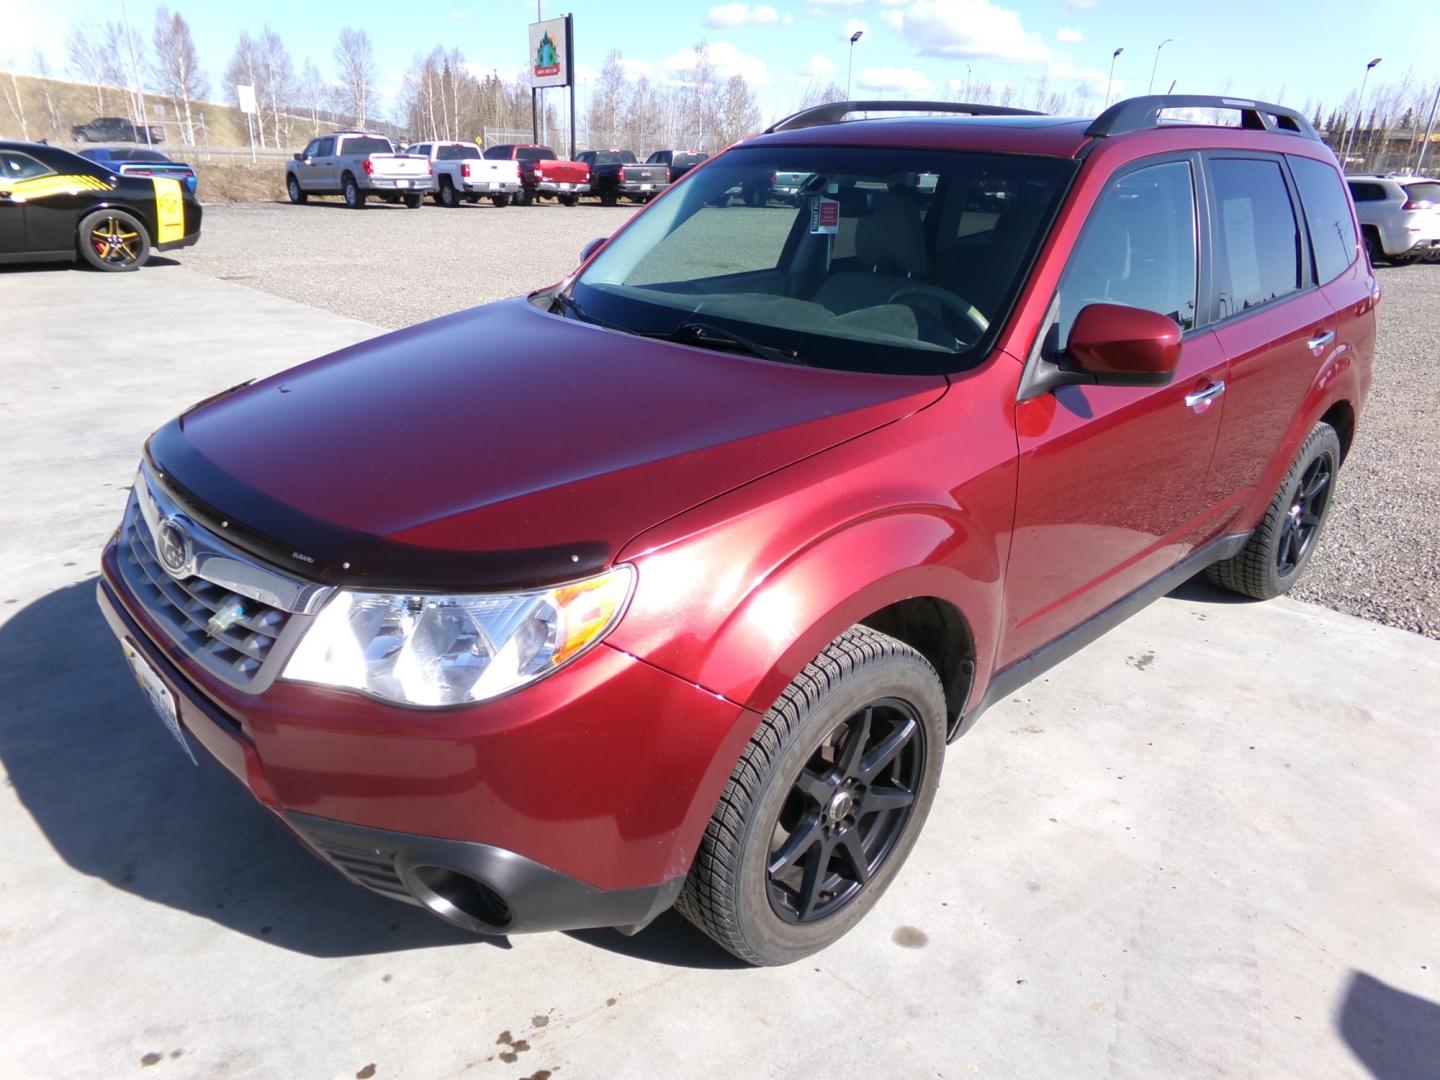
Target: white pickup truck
{"x": 354, "y": 164}
{"x": 461, "y": 172}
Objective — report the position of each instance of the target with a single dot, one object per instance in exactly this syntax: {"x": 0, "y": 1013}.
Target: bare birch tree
{"x": 41, "y": 66}
{"x": 356, "y": 61}
{"x": 277, "y": 84}
{"x": 87, "y": 63}
{"x": 177, "y": 68}
{"x": 243, "y": 70}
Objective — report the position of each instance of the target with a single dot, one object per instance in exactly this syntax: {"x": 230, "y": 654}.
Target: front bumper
{"x": 577, "y": 802}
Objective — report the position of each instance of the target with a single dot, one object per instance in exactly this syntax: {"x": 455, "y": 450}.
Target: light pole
{"x": 967, "y": 82}
{"x": 1111, "y": 81}
{"x": 1151, "y": 88}
{"x": 850, "y": 63}
{"x": 1359, "y": 112}
{"x": 1429, "y": 127}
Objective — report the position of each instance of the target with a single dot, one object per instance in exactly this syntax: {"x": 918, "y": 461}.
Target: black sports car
{"x": 55, "y": 205}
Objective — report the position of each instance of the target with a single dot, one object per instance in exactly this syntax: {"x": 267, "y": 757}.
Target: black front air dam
{"x": 484, "y": 889}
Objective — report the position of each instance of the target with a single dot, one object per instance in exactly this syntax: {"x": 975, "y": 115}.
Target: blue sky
{"x": 1290, "y": 51}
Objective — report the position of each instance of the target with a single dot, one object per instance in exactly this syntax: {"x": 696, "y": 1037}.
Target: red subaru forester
{"x": 670, "y": 584}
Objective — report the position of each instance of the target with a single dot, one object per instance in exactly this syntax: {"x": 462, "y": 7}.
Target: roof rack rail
{"x": 1140, "y": 113}
{"x": 835, "y": 111}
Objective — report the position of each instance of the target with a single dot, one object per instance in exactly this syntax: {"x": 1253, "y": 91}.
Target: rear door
{"x": 1275, "y": 325}
{"x": 1112, "y": 484}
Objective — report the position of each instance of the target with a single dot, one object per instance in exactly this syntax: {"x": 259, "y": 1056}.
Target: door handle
{"x": 1321, "y": 340}
{"x": 1200, "y": 400}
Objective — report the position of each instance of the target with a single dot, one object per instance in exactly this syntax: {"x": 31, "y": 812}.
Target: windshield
{"x": 855, "y": 258}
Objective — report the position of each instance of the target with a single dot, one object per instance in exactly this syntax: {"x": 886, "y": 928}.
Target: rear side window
{"x": 1327, "y": 212}
{"x": 1138, "y": 248}
{"x": 1259, "y": 238}
{"x": 1366, "y": 192}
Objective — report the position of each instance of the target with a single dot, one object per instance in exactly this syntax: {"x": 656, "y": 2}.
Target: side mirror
{"x": 297, "y": 157}
{"x": 592, "y": 247}
{"x": 1110, "y": 345}
{"x": 1124, "y": 346}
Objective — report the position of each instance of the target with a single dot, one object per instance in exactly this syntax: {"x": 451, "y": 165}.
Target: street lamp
{"x": 1359, "y": 112}
{"x": 850, "y": 64}
{"x": 1151, "y": 88}
{"x": 967, "y": 82}
{"x": 1111, "y": 81}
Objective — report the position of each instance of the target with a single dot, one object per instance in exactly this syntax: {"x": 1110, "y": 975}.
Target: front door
{"x": 1113, "y": 479}
{"x": 12, "y": 214}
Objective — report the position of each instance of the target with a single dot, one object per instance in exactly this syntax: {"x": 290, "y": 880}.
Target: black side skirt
{"x": 1011, "y": 678}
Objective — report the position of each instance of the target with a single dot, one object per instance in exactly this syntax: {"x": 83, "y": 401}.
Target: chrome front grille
{"x": 226, "y": 612}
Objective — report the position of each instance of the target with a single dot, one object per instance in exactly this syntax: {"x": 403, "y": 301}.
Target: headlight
{"x": 448, "y": 650}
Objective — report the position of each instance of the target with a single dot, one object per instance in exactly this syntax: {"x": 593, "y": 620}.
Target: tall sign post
{"x": 552, "y": 63}
{"x": 245, "y": 95}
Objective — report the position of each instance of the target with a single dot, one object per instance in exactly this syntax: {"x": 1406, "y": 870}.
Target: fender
{"x": 739, "y": 594}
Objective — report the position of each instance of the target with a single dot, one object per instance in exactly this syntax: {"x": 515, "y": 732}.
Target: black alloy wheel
{"x": 845, "y": 811}
{"x": 1302, "y": 520}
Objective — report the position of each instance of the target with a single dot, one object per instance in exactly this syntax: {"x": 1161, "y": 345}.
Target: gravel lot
{"x": 393, "y": 267}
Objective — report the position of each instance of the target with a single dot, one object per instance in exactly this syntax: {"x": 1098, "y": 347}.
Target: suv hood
{"x": 498, "y": 447}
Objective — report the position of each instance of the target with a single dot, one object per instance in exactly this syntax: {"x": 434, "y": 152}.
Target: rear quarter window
{"x": 1327, "y": 213}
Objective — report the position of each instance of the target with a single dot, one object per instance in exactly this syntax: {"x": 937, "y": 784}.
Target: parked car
{"x": 670, "y": 584}
{"x": 1399, "y": 216}
{"x": 679, "y": 162}
{"x": 115, "y": 129}
{"x": 58, "y": 206}
{"x": 461, "y": 172}
{"x": 129, "y": 161}
{"x": 542, "y": 174}
{"x": 354, "y": 165}
{"x": 614, "y": 174}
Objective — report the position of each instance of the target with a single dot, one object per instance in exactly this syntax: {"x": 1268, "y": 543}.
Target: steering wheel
{"x": 946, "y": 299}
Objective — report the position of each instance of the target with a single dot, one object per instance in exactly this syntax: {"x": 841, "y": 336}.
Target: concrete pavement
{"x": 1202, "y": 847}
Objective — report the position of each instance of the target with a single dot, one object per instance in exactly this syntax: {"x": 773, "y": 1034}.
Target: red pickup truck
{"x": 670, "y": 584}
{"x": 543, "y": 174}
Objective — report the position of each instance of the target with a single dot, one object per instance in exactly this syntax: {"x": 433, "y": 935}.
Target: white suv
{"x": 1399, "y": 215}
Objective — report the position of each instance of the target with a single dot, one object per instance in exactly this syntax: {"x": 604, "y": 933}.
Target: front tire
{"x": 292, "y": 188}
{"x": 824, "y": 804}
{"x": 113, "y": 240}
{"x": 354, "y": 197}
{"x": 1280, "y": 548}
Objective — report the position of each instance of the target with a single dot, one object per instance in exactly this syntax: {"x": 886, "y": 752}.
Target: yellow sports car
{"x": 55, "y": 205}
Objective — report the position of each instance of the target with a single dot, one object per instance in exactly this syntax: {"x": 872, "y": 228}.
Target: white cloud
{"x": 891, "y": 80}
{"x": 636, "y": 69}
{"x": 727, "y": 61}
{"x": 1081, "y": 5}
{"x": 1070, "y": 37}
{"x": 585, "y": 74}
{"x": 836, "y": 3}
{"x": 853, "y": 26}
{"x": 820, "y": 67}
{"x": 729, "y": 16}
{"x": 966, "y": 30}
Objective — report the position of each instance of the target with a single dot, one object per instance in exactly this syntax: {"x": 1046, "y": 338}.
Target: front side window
{"x": 859, "y": 265}
{"x": 1137, "y": 248}
{"x": 325, "y": 147}
{"x": 1259, "y": 238}
{"x": 1327, "y": 213}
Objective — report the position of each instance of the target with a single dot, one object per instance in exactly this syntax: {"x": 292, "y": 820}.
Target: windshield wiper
{"x": 569, "y": 303}
{"x": 709, "y": 336}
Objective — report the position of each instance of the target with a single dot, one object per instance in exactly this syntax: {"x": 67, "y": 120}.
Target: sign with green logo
{"x": 550, "y": 53}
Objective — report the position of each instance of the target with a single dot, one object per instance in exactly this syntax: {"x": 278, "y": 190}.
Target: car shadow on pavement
{"x": 1200, "y": 590}
{"x": 668, "y": 940}
{"x": 1395, "y": 1035}
{"x": 119, "y": 801}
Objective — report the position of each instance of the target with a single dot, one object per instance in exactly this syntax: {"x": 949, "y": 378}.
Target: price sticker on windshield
{"x": 824, "y": 216}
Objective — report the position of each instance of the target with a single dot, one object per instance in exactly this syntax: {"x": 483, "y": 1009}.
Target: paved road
{"x": 1200, "y": 848}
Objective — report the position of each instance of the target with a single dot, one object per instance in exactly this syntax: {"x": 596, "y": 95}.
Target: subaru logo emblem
{"x": 172, "y": 545}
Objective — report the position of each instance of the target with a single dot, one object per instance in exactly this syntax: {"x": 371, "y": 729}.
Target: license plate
{"x": 160, "y": 697}
{"x": 491, "y": 187}
{"x": 402, "y": 183}
{"x": 644, "y": 187}
{"x": 566, "y": 187}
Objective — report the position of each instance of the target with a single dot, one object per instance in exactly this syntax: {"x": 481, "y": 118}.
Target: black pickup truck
{"x": 614, "y": 173}
{"x": 114, "y": 129}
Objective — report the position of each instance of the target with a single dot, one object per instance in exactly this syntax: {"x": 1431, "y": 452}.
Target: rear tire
{"x": 293, "y": 189}
{"x": 525, "y": 198}
{"x": 824, "y": 804}
{"x": 1280, "y": 547}
{"x": 112, "y": 240}
{"x": 447, "y": 196}
{"x": 569, "y": 200}
{"x": 354, "y": 197}
{"x": 412, "y": 202}
{"x": 607, "y": 198}
{"x": 500, "y": 201}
